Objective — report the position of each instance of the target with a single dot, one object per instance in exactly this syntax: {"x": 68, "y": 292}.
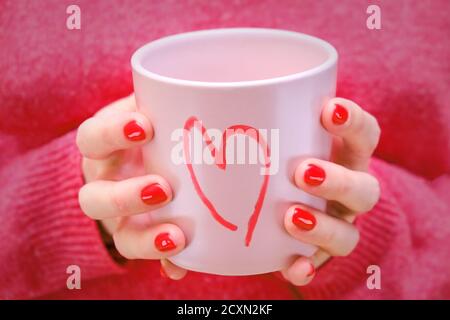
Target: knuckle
{"x": 329, "y": 237}
{"x": 86, "y": 142}
{"x": 84, "y": 200}
{"x": 299, "y": 281}
{"x": 108, "y": 136}
{"x": 118, "y": 239}
{"x": 375, "y": 133}
{"x": 376, "y": 126}
{"x": 118, "y": 199}
{"x": 373, "y": 196}
{"x": 344, "y": 184}
{"x": 81, "y": 137}
{"x": 371, "y": 145}
{"x": 342, "y": 253}
{"x": 78, "y": 140}
{"x": 357, "y": 119}
{"x": 348, "y": 249}
{"x": 356, "y": 237}
{"x": 377, "y": 189}
{"x": 89, "y": 169}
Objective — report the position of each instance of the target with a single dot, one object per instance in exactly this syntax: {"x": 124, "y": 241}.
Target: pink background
{"x": 51, "y": 79}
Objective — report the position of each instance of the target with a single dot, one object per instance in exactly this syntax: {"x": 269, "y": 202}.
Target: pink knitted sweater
{"x": 52, "y": 78}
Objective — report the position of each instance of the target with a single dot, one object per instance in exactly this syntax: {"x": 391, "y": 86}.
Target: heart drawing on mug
{"x": 219, "y": 156}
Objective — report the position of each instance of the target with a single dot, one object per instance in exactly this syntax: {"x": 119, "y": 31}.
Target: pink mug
{"x": 234, "y": 111}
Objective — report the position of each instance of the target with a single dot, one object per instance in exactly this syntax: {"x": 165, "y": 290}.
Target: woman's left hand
{"x": 344, "y": 182}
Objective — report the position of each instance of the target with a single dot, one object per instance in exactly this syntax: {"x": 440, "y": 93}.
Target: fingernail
{"x": 314, "y": 175}
{"x": 340, "y": 115}
{"x": 163, "y": 273}
{"x": 153, "y": 194}
{"x": 312, "y": 271}
{"x": 303, "y": 219}
{"x": 133, "y": 131}
{"x": 164, "y": 243}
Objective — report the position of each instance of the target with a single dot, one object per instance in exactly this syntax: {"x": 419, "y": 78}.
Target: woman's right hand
{"x": 117, "y": 188}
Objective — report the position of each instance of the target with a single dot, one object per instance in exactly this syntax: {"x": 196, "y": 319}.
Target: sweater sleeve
{"x": 43, "y": 229}
{"x": 406, "y": 235}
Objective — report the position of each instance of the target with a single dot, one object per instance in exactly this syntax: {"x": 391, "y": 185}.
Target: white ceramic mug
{"x": 267, "y": 85}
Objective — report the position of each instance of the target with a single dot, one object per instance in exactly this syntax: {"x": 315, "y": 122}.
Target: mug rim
{"x": 138, "y": 55}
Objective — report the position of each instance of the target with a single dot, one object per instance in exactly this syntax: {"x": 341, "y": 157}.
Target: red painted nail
{"x": 312, "y": 271}
{"x": 133, "y": 131}
{"x": 303, "y": 219}
{"x": 153, "y": 194}
{"x": 163, "y": 273}
{"x": 314, "y": 175}
{"x": 163, "y": 242}
{"x": 340, "y": 115}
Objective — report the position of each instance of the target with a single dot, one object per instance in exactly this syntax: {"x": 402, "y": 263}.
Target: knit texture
{"x": 42, "y": 229}
{"x": 53, "y": 78}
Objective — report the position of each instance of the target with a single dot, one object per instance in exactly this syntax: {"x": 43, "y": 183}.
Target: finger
{"x": 110, "y": 225}
{"x": 358, "y": 130}
{"x": 120, "y": 165}
{"x": 301, "y": 272}
{"x": 335, "y": 236}
{"x": 356, "y": 190}
{"x": 319, "y": 258}
{"x": 134, "y": 241}
{"x": 98, "y": 137}
{"x": 126, "y": 104}
{"x": 107, "y": 199}
{"x": 172, "y": 271}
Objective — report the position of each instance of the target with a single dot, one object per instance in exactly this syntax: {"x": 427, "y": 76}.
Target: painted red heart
{"x": 219, "y": 155}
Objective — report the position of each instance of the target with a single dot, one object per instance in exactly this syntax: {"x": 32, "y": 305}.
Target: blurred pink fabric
{"x": 52, "y": 78}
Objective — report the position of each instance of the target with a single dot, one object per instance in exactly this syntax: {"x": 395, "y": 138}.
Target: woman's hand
{"x": 117, "y": 187}
{"x": 344, "y": 182}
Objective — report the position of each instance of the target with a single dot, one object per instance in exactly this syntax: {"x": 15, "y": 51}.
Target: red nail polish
{"x": 314, "y": 175}
{"x": 303, "y": 219}
{"x": 133, "y": 131}
{"x": 153, "y": 194}
{"x": 340, "y": 115}
{"x": 312, "y": 271}
{"x": 164, "y": 243}
{"x": 163, "y": 273}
